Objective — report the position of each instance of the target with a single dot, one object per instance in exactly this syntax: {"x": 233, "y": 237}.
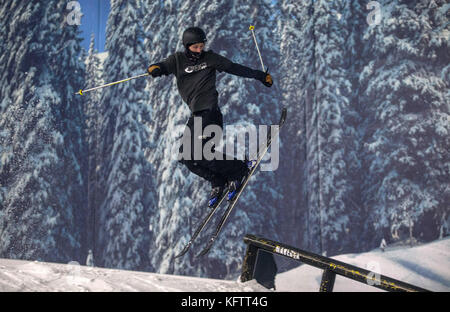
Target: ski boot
{"x": 215, "y": 195}
{"x": 235, "y": 185}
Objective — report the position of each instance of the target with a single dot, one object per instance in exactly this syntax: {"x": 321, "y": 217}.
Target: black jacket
{"x": 197, "y": 81}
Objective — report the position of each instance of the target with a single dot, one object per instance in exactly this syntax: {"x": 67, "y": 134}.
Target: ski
{"x": 203, "y": 223}
{"x": 232, "y": 203}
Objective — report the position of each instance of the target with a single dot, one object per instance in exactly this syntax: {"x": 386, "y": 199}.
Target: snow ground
{"x": 17, "y": 275}
{"x": 426, "y": 266}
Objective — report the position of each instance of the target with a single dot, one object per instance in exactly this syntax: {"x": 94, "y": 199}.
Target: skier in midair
{"x": 195, "y": 71}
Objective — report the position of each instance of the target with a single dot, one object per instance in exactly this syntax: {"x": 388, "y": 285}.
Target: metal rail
{"x": 329, "y": 266}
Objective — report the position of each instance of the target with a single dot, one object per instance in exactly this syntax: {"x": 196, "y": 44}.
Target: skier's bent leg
{"x": 213, "y": 177}
{"x": 218, "y": 170}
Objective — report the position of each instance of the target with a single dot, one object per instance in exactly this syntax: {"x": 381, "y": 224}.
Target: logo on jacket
{"x": 195, "y": 68}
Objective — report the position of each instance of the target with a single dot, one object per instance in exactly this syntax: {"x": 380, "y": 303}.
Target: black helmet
{"x": 193, "y": 35}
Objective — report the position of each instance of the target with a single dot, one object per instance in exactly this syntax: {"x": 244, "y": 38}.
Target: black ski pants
{"x": 219, "y": 170}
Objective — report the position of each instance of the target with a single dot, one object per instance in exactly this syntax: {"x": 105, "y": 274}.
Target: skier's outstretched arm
{"x": 224, "y": 64}
{"x": 166, "y": 67}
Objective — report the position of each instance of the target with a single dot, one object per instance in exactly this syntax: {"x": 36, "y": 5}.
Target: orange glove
{"x": 268, "y": 82}
{"x": 265, "y": 78}
{"x": 154, "y": 70}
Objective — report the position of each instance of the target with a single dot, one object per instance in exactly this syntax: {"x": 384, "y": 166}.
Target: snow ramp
{"x": 28, "y": 276}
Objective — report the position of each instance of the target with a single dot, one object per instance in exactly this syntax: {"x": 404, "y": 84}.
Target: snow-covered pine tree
{"x": 93, "y": 77}
{"x": 316, "y": 57}
{"x": 128, "y": 195}
{"x": 41, "y": 144}
{"x": 332, "y": 103}
{"x": 312, "y": 238}
{"x": 356, "y": 17}
{"x": 296, "y": 47}
{"x": 178, "y": 192}
{"x": 242, "y": 101}
{"x": 407, "y": 107}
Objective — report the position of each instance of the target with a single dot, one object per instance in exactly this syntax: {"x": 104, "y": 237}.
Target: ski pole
{"x": 110, "y": 84}
{"x": 257, "y": 48}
